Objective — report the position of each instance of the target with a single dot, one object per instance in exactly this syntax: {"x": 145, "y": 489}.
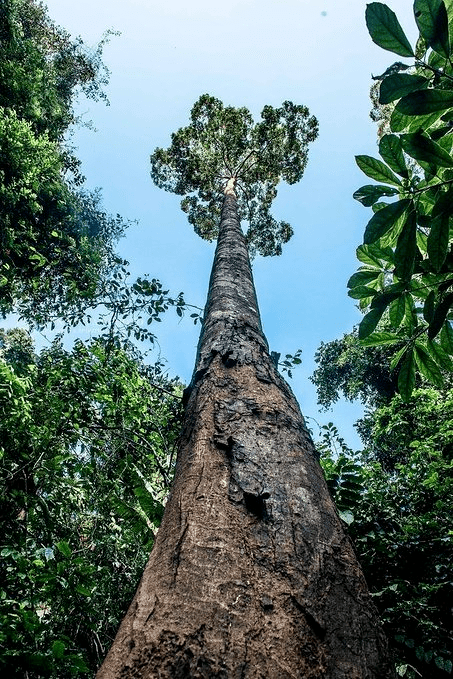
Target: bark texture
{"x": 251, "y": 575}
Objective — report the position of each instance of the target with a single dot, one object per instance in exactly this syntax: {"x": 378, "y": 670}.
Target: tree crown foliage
{"x": 223, "y": 143}
{"x": 406, "y": 272}
{"x": 56, "y": 242}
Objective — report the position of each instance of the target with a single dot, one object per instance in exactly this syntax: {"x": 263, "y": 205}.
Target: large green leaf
{"x": 385, "y": 29}
{"x": 440, "y": 315}
{"x": 400, "y": 122}
{"x": 399, "y": 85}
{"x": 383, "y": 220}
{"x": 391, "y": 150}
{"x": 438, "y": 239}
{"x": 446, "y": 338}
{"x": 427, "y": 366}
{"x": 363, "y": 277}
{"x": 425, "y": 102}
{"x": 439, "y": 355}
{"x": 406, "y": 376}
{"x": 420, "y": 147}
{"x": 396, "y": 311}
{"x": 432, "y": 22}
{"x": 377, "y": 170}
{"x": 369, "y": 322}
{"x": 406, "y": 248}
{"x": 428, "y": 307}
{"x": 373, "y": 255}
{"x": 378, "y": 338}
{"x": 369, "y": 194}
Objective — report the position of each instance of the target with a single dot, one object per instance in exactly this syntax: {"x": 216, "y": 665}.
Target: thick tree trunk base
{"x": 251, "y": 575}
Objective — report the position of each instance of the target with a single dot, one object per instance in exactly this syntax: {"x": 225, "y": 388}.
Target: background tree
{"x": 407, "y": 255}
{"x": 247, "y": 576}
{"x": 56, "y": 241}
{"x": 87, "y": 452}
{"x": 395, "y": 497}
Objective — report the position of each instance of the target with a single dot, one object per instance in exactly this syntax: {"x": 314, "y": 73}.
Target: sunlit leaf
{"x": 391, "y": 150}
{"x": 384, "y": 220}
{"x": 385, "y": 29}
{"x": 377, "y": 170}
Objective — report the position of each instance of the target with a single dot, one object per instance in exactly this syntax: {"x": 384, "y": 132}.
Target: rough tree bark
{"x": 251, "y": 575}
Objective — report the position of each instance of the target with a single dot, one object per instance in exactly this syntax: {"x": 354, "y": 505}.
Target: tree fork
{"x": 251, "y": 575}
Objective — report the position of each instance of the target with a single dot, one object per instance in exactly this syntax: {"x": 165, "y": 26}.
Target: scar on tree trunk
{"x": 251, "y": 575}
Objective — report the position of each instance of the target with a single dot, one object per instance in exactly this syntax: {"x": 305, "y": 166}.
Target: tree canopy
{"x": 406, "y": 259}
{"x": 55, "y": 239}
{"x": 222, "y": 143}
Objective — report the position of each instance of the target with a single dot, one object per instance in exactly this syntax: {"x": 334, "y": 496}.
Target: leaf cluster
{"x": 400, "y": 520}
{"x": 86, "y": 458}
{"x": 55, "y": 239}
{"x": 406, "y": 275}
{"x": 223, "y": 143}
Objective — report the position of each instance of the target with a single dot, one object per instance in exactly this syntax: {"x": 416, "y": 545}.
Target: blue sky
{"x": 247, "y": 53}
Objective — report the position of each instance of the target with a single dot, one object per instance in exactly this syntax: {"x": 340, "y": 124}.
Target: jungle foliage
{"x": 395, "y": 497}
{"x": 86, "y": 457}
{"x": 406, "y": 272}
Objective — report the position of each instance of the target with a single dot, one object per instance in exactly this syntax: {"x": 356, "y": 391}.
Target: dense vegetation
{"x": 407, "y": 255}
{"x": 87, "y": 433}
{"x": 395, "y": 494}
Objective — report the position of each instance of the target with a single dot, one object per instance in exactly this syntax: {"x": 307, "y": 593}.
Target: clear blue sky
{"x": 247, "y": 53}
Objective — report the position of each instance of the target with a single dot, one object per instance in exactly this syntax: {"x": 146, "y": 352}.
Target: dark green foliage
{"x": 410, "y": 240}
{"x": 55, "y": 239}
{"x": 87, "y": 451}
{"x": 222, "y": 143}
{"x": 395, "y": 497}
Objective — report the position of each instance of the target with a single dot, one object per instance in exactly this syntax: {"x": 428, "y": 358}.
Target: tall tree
{"x": 251, "y": 574}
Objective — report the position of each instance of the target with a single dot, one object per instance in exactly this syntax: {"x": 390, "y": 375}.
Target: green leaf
{"x": 378, "y": 338}
{"x": 438, "y": 239}
{"x": 440, "y": 315}
{"x": 377, "y": 170}
{"x": 428, "y": 368}
{"x": 420, "y": 147}
{"x": 369, "y": 194}
{"x": 432, "y": 22}
{"x": 396, "y": 311}
{"x": 399, "y": 85}
{"x": 64, "y": 548}
{"x": 397, "y": 358}
{"x": 385, "y": 29}
{"x": 406, "y": 376}
{"x": 370, "y": 321}
{"x": 58, "y": 649}
{"x": 439, "y": 355}
{"x": 428, "y": 307}
{"x": 391, "y": 150}
{"x": 446, "y": 338}
{"x": 425, "y": 102}
{"x": 385, "y": 219}
{"x": 400, "y": 122}
{"x": 406, "y": 248}
{"x": 372, "y": 255}
{"x": 361, "y": 292}
{"x": 362, "y": 277}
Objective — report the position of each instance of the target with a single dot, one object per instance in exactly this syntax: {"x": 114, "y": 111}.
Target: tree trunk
{"x": 251, "y": 574}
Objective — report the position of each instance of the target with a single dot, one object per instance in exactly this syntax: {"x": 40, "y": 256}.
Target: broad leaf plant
{"x": 406, "y": 272}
